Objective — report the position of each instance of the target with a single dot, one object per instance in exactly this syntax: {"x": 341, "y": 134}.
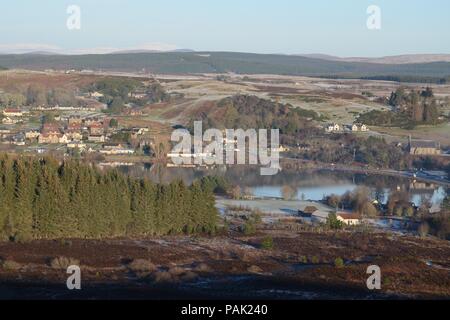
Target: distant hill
{"x": 234, "y": 62}
{"x": 42, "y": 53}
{"x": 149, "y": 51}
{"x": 401, "y": 59}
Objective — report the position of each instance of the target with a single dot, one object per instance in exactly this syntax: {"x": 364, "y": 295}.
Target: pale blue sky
{"x": 335, "y": 27}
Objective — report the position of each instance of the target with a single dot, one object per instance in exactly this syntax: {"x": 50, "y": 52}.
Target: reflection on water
{"x": 304, "y": 193}
{"x": 307, "y": 185}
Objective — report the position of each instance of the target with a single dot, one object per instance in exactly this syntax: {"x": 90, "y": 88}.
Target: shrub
{"x": 63, "y": 262}
{"x": 334, "y": 223}
{"x": 267, "y": 243}
{"x": 339, "y": 262}
{"x": 254, "y": 269}
{"x": 249, "y": 228}
{"x": 163, "y": 276}
{"x": 11, "y": 265}
{"x": 202, "y": 267}
{"x": 142, "y": 265}
{"x": 387, "y": 281}
{"x": 256, "y": 216}
{"x": 315, "y": 260}
{"x": 176, "y": 271}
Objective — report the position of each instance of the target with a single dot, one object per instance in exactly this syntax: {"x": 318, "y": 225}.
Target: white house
{"x": 96, "y": 138}
{"x": 12, "y": 112}
{"x": 9, "y": 120}
{"x": 120, "y": 151}
{"x": 96, "y": 95}
{"x": 76, "y": 145}
{"x": 350, "y": 219}
{"x": 333, "y": 128}
{"x": 359, "y": 127}
{"x": 64, "y": 139}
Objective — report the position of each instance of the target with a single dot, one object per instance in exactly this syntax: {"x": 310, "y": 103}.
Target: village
{"x": 71, "y": 130}
{"x": 76, "y": 130}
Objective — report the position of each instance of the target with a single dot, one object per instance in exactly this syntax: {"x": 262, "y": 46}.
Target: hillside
{"x": 400, "y": 59}
{"x": 223, "y": 62}
{"x": 244, "y": 111}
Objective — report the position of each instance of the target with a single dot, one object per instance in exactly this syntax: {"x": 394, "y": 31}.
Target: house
{"x": 308, "y": 211}
{"x": 118, "y": 151}
{"x": 8, "y": 120}
{"x": 359, "y": 127}
{"x": 133, "y": 112}
{"x": 90, "y": 121}
{"x": 424, "y": 147}
{"x": 138, "y": 94}
{"x": 50, "y": 133}
{"x": 49, "y": 138}
{"x": 76, "y": 145}
{"x": 75, "y": 120}
{"x": 48, "y": 128}
{"x": 333, "y": 128}
{"x": 96, "y": 95}
{"x": 32, "y": 134}
{"x": 73, "y": 132}
{"x": 136, "y": 132}
{"x": 64, "y": 139}
{"x": 8, "y": 112}
{"x": 96, "y": 138}
{"x": 280, "y": 149}
{"x": 116, "y": 148}
{"x": 350, "y": 219}
{"x": 96, "y": 129}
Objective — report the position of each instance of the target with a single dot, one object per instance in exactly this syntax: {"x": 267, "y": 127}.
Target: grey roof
{"x": 424, "y": 144}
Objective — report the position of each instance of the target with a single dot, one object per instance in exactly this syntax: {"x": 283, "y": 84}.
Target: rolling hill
{"x": 225, "y": 62}
{"x": 401, "y": 59}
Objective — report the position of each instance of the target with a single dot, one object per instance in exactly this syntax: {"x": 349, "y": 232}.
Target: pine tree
{"x": 23, "y": 202}
{"x": 45, "y": 199}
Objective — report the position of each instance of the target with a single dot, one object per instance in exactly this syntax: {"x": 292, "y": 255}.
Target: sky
{"x": 335, "y": 27}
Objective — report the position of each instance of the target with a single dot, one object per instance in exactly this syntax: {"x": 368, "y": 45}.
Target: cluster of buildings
{"x": 424, "y": 147}
{"x": 13, "y": 116}
{"x": 321, "y": 216}
{"x": 356, "y": 127}
{"x": 87, "y": 132}
{"x": 75, "y": 130}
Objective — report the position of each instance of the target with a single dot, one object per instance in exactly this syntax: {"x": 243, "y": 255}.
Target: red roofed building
{"x": 9, "y": 112}
{"x": 96, "y": 129}
{"x": 73, "y": 132}
{"x": 51, "y": 137}
{"x": 50, "y": 128}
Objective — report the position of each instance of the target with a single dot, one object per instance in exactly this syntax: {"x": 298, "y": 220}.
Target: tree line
{"x": 44, "y": 199}
{"x": 410, "y": 108}
{"x": 118, "y": 92}
{"x": 251, "y": 112}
